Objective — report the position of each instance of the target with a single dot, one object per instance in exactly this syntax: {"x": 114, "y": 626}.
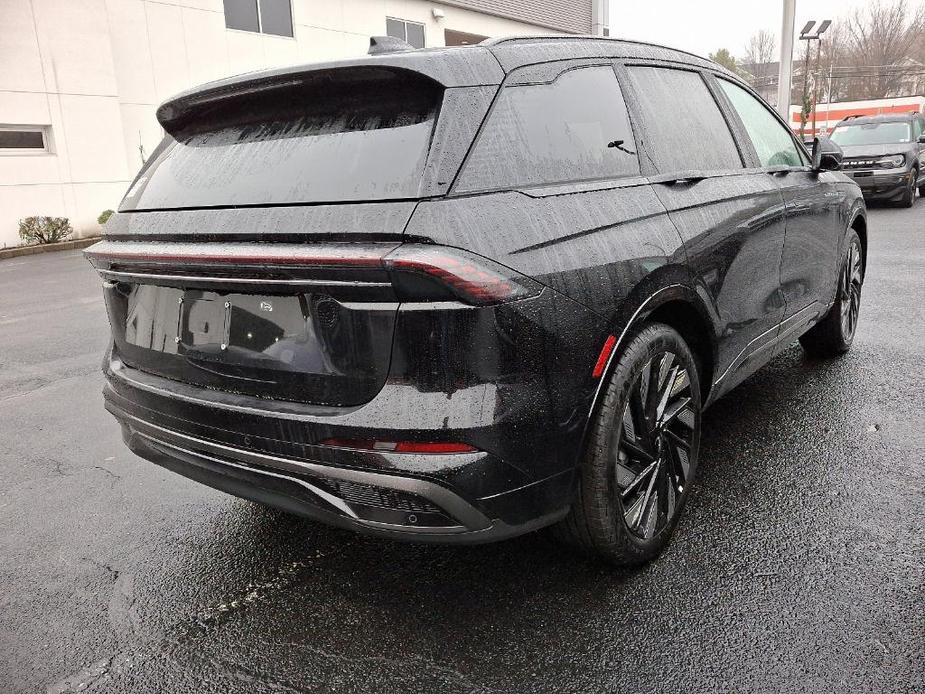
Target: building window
{"x": 260, "y": 16}
{"x": 409, "y": 32}
{"x": 23, "y": 139}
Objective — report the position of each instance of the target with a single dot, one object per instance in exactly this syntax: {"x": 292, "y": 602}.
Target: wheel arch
{"x": 680, "y": 307}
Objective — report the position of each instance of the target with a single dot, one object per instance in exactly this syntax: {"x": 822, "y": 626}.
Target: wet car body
{"x": 382, "y": 396}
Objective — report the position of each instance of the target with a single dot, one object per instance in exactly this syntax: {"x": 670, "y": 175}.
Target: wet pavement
{"x": 799, "y": 564}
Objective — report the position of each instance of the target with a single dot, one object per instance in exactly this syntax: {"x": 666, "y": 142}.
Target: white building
{"x": 80, "y": 79}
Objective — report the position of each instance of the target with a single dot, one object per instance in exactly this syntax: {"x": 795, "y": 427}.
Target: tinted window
{"x": 276, "y": 17}
{"x": 772, "y": 141}
{"x": 575, "y": 128}
{"x": 357, "y": 139}
{"x": 241, "y": 14}
{"x": 684, "y": 128}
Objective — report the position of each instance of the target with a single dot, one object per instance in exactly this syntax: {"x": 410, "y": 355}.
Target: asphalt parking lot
{"x": 798, "y": 566}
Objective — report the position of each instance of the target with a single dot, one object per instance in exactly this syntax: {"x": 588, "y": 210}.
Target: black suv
{"x": 885, "y": 155}
{"x": 461, "y": 294}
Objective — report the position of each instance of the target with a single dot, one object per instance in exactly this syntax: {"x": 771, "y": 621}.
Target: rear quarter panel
{"x": 593, "y": 246}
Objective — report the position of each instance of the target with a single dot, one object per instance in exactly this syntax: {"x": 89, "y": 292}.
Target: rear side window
{"x": 352, "y": 137}
{"x": 684, "y": 128}
{"x": 772, "y": 141}
{"x": 573, "y": 129}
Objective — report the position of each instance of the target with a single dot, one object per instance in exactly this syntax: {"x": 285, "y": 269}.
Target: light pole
{"x": 785, "y": 74}
{"x": 806, "y": 35}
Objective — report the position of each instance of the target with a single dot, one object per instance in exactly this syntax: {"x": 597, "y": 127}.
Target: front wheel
{"x": 908, "y": 198}
{"x": 834, "y": 334}
{"x": 641, "y": 453}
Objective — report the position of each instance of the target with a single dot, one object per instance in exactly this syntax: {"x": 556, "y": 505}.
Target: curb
{"x": 47, "y": 247}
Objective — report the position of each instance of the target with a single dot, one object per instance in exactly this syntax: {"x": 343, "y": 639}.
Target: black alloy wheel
{"x": 834, "y": 334}
{"x": 652, "y": 459}
{"x": 850, "y": 291}
{"x": 641, "y": 454}
{"x": 908, "y": 198}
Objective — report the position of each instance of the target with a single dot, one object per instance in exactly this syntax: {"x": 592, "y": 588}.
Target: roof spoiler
{"x": 387, "y": 44}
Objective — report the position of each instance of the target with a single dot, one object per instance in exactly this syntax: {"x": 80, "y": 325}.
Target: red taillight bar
{"x": 400, "y": 446}
{"x": 472, "y": 279}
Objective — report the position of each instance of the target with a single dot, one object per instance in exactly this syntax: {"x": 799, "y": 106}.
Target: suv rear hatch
{"x": 249, "y": 253}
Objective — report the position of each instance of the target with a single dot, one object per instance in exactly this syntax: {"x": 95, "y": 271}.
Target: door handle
{"x": 683, "y": 180}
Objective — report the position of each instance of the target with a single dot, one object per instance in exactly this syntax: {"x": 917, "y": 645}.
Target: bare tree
{"x": 879, "y": 39}
{"x": 758, "y": 60}
{"x": 760, "y": 48}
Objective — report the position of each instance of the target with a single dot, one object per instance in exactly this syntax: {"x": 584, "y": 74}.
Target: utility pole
{"x": 786, "y": 60}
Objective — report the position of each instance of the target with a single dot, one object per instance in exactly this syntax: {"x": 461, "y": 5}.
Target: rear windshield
{"x": 356, "y": 137}
{"x": 887, "y": 133}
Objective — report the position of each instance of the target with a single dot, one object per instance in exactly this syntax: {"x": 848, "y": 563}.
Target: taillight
{"x": 470, "y": 278}
{"x": 418, "y": 272}
{"x": 400, "y": 446}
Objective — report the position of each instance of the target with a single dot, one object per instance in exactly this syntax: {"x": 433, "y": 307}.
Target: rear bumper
{"x": 311, "y": 490}
{"x": 451, "y": 498}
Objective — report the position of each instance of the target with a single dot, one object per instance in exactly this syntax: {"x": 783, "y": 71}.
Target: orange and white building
{"x": 828, "y": 115}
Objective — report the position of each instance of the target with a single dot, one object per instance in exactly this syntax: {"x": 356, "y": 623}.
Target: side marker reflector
{"x": 602, "y": 358}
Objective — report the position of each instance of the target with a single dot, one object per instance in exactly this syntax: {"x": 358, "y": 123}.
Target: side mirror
{"x": 922, "y": 139}
{"x": 827, "y": 155}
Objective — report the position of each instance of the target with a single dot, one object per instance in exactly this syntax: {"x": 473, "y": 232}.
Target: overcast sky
{"x": 702, "y": 26}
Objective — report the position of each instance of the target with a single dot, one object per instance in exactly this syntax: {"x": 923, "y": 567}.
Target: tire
{"x": 633, "y": 485}
{"x": 908, "y": 198}
{"x": 834, "y": 334}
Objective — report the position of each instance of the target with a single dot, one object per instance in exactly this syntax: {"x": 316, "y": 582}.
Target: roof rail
{"x": 387, "y": 44}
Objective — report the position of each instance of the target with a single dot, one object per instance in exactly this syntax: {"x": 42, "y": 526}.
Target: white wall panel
{"x": 139, "y": 127}
{"x": 206, "y": 47}
{"x": 74, "y": 42}
{"x": 168, "y": 49}
{"x": 323, "y": 44}
{"x": 88, "y": 200}
{"x": 325, "y": 15}
{"x": 245, "y": 51}
{"x": 92, "y": 126}
{"x": 130, "y": 53}
{"x": 20, "y": 65}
